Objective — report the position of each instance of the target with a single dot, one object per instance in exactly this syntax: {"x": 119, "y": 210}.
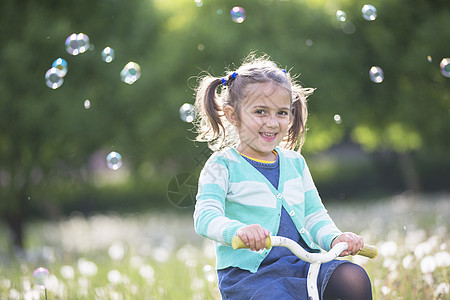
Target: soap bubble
{"x": 341, "y": 16}
{"x": 130, "y": 73}
{"x": 376, "y": 74}
{"x": 237, "y": 14}
{"x": 61, "y": 64}
{"x": 54, "y": 78}
{"x": 87, "y": 104}
{"x": 114, "y": 161}
{"x": 337, "y": 118}
{"x": 369, "y": 12}
{"x": 77, "y": 43}
{"x": 429, "y": 58}
{"x": 41, "y": 276}
{"x": 445, "y": 66}
{"x": 187, "y": 112}
{"x": 199, "y": 3}
{"x": 108, "y": 54}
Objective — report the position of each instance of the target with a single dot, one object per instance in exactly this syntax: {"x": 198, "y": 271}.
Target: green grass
{"x": 158, "y": 256}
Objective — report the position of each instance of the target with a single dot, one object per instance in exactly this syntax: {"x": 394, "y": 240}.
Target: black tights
{"x": 348, "y": 282}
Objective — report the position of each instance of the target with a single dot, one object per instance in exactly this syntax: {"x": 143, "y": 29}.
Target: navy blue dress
{"x": 281, "y": 275}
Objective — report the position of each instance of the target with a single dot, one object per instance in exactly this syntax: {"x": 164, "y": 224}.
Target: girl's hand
{"x": 253, "y": 236}
{"x": 355, "y": 243}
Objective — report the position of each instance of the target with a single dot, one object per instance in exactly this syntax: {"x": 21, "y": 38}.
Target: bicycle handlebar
{"x": 368, "y": 250}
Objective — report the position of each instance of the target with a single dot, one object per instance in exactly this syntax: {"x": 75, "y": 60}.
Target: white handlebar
{"x": 306, "y": 256}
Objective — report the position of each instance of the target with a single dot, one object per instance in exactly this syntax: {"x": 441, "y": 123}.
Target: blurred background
{"x": 378, "y": 121}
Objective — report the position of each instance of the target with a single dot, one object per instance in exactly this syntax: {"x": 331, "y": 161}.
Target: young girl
{"x": 256, "y": 185}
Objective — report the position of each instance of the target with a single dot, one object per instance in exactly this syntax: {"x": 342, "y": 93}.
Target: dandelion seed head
{"x": 116, "y": 251}
{"x": 442, "y": 289}
{"x": 385, "y": 290}
{"x": 147, "y": 272}
{"x": 427, "y": 264}
{"x": 86, "y": 267}
{"x": 407, "y": 261}
{"x": 422, "y": 249}
{"x": 388, "y": 248}
{"x": 160, "y": 254}
{"x": 390, "y": 264}
{"x": 114, "y": 276}
{"x": 67, "y": 272}
{"x": 197, "y": 284}
{"x": 442, "y": 259}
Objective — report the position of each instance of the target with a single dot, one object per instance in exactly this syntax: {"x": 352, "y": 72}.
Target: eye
{"x": 260, "y": 112}
{"x": 283, "y": 113}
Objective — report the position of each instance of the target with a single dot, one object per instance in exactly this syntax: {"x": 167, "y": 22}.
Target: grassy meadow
{"x": 159, "y": 256}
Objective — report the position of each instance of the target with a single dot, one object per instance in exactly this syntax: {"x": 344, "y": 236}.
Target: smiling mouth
{"x": 268, "y": 136}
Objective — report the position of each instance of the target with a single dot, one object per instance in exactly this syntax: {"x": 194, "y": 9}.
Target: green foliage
{"x": 48, "y": 140}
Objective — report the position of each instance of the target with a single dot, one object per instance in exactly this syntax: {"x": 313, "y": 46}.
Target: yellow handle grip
{"x": 237, "y": 243}
{"x": 369, "y": 251}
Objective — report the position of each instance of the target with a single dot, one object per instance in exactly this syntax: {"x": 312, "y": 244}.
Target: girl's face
{"x": 262, "y": 121}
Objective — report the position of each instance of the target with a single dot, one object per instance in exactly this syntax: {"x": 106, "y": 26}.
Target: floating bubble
{"x": 337, "y": 118}
{"x": 341, "y": 16}
{"x": 219, "y": 11}
{"x": 77, "y": 43}
{"x": 369, "y": 12}
{"x": 201, "y": 47}
{"x": 114, "y": 161}
{"x": 87, "y": 104}
{"x": 130, "y": 73}
{"x": 60, "y": 64}
{"x": 108, "y": 54}
{"x": 445, "y": 67}
{"x": 187, "y": 112}
{"x": 309, "y": 43}
{"x": 376, "y": 74}
{"x": 54, "y": 78}
{"x": 199, "y": 3}
{"x": 429, "y": 58}
{"x": 41, "y": 276}
{"x": 237, "y": 14}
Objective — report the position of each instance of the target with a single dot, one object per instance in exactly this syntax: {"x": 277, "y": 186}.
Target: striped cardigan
{"x": 232, "y": 194}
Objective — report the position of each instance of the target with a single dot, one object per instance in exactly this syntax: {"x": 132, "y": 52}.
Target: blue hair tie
{"x": 230, "y": 79}
{"x": 284, "y": 71}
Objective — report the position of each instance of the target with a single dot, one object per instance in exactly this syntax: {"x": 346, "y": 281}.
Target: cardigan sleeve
{"x": 209, "y": 214}
{"x": 317, "y": 221}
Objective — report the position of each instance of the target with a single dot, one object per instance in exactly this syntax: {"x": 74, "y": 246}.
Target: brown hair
{"x": 214, "y": 93}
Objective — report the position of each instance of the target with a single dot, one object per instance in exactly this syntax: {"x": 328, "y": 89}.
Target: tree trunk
{"x": 15, "y": 224}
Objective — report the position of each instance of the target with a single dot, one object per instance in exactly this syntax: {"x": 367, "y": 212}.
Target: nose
{"x": 271, "y": 121}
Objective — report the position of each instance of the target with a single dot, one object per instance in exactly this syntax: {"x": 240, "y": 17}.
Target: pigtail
{"x": 297, "y": 131}
{"x": 209, "y": 111}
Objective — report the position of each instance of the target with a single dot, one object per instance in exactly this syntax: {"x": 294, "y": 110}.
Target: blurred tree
{"x": 47, "y": 136}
